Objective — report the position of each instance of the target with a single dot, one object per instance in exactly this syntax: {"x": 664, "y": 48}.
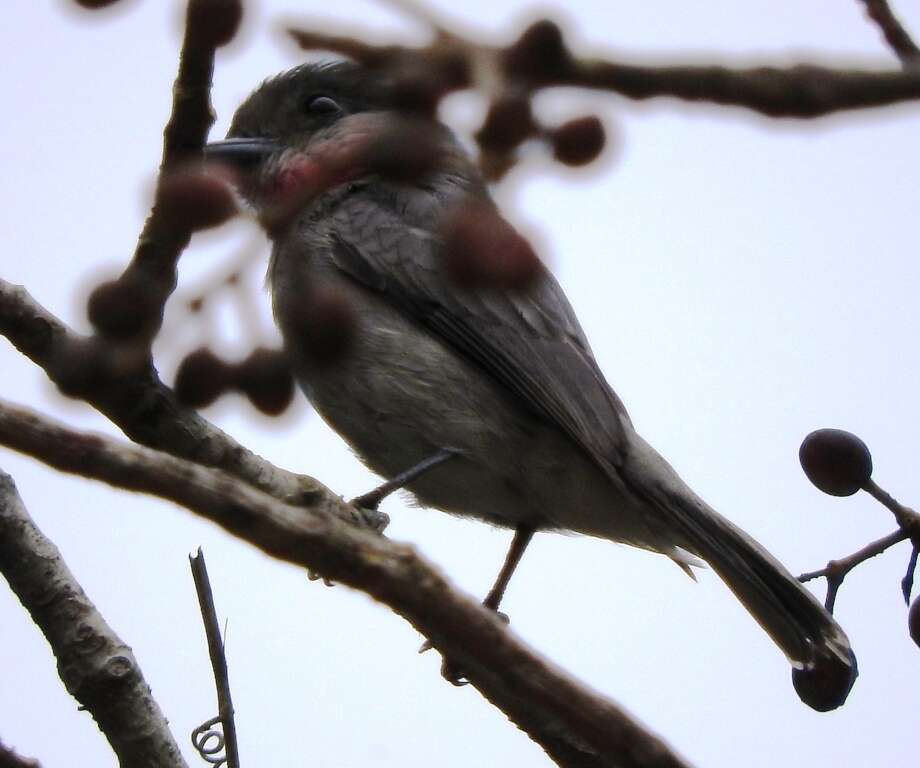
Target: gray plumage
{"x": 508, "y": 378}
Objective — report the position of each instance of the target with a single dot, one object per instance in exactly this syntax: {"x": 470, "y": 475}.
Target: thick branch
{"x": 145, "y": 409}
{"x": 575, "y": 725}
{"x": 97, "y": 668}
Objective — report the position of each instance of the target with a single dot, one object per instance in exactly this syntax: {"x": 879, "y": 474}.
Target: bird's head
{"x": 318, "y": 125}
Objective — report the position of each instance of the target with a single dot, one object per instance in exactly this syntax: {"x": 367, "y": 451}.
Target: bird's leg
{"x": 522, "y": 536}
{"x": 372, "y": 499}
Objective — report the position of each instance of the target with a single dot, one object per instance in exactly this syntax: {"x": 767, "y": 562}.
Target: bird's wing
{"x": 530, "y": 342}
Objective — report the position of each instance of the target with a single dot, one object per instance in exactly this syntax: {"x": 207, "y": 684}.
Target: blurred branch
{"x": 9, "y": 759}
{"x": 540, "y": 59}
{"x": 893, "y": 31}
{"x": 218, "y": 663}
{"x": 208, "y": 25}
{"x": 575, "y": 725}
{"x": 801, "y": 91}
{"x": 96, "y": 667}
{"x": 134, "y": 399}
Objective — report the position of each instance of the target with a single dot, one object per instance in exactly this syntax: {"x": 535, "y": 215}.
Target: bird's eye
{"x": 322, "y": 105}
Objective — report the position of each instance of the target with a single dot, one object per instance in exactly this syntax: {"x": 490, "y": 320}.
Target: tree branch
{"x": 800, "y": 91}
{"x": 893, "y": 31}
{"x": 575, "y": 725}
{"x": 542, "y": 60}
{"x": 208, "y": 24}
{"x": 97, "y": 668}
{"x": 836, "y": 570}
{"x": 135, "y": 400}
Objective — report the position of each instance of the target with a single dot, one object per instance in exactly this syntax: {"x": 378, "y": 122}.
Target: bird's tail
{"x": 824, "y": 666}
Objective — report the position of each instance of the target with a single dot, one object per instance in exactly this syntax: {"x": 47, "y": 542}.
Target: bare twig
{"x": 895, "y": 35}
{"x": 575, "y": 725}
{"x": 836, "y": 570}
{"x": 904, "y": 516}
{"x": 144, "y": 408}
{"x": 96, "y": 666}
{"x": 218, "y": 659}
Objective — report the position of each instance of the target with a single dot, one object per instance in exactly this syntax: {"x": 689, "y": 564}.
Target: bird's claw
{"x": 314, "y": 576}
{"x": 453, "y": 674}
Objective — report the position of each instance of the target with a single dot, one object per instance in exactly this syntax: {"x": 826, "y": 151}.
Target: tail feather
{"x": 824, "y": 665}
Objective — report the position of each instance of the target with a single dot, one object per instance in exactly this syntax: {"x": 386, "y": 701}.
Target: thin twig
{"x": 894, "y": 32}
{"x": 96, "y": 666}
{"x": 836, "y": 570}
{"x": 218, "y": 656}
{"x": 575, "y": 725}
{"x": 904, "y": 516}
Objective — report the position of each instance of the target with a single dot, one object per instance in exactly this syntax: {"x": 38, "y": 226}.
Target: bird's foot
{"x": 314, "y": 576}
{"x": 451, "y": 671}
{"x": 371, "y": 500}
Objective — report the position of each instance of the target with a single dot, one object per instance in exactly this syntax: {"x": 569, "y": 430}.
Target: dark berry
{"x": 837, "y": 462}
{"x": 482, "y": 250}
{"x": 578, "y": 141}
{"x": 195, "y": 200}
{"x": 202, "y": 377}
{"x": 265, "y": 378}
{"x": 122, "y": 309}
{"x": 213, "y": 23}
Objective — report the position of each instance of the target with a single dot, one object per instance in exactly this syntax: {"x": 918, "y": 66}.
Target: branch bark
{"x": 575, "y": 725}
{"x": 145, "y": 409}
{"x": 95, "y": 665}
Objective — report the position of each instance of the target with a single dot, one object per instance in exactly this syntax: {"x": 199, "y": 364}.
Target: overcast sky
{"x": 742, "y": 281}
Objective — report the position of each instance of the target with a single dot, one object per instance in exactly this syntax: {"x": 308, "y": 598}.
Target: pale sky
{"x": 742, "y": 281}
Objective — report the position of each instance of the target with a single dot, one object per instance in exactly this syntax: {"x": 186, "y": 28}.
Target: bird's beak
{"x": 241, "y": 154}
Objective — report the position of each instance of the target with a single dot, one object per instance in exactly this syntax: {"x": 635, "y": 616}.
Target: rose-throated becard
{"x": 503, "y": 378}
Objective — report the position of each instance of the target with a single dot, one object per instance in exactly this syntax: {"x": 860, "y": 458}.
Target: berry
{"x": 825, "y": 684}
{"x": 913, "y": 621}
{"x": 122, "y": 309}
{"x": 213, "y": 23}
{"x": 324, "y": 327}
{"x": 836, "y": 462}
{"x": 578, "y": 141}
{"x": 194, "y": 200}
{"x": 265, "y": 378}
{"x": 202, "y": 377}
{"x": 539, "y": 55}
{"x": 482, "y": 250}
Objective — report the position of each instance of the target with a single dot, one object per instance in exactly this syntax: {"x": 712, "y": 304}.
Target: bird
{"x": 493, "y": 394}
